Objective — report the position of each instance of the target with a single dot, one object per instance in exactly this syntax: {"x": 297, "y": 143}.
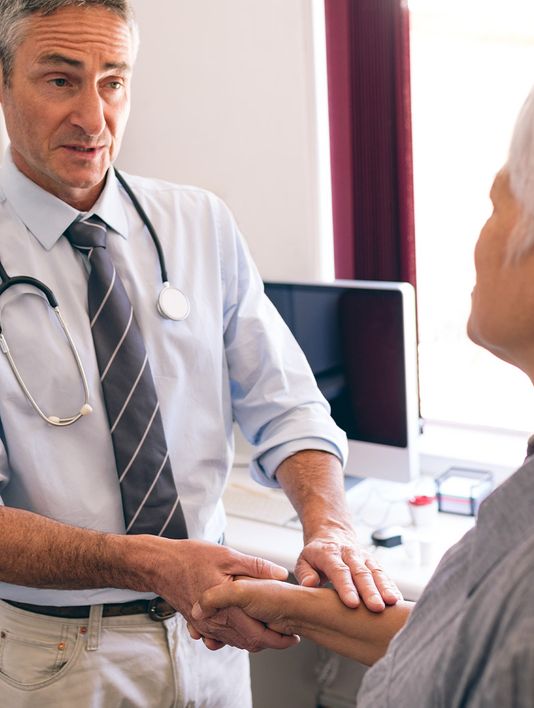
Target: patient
{"x": 469, "y": 641}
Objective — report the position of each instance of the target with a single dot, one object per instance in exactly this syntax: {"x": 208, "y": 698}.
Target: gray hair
{"x": 14, "y": 13}
{"x": 520, "y": 168}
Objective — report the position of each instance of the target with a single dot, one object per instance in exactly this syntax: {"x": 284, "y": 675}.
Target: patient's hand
{"x": 315, "y": 613}
{"x": 266, "y": 600}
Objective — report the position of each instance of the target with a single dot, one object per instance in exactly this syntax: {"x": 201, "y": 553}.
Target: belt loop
{"x": 94, "y": 627}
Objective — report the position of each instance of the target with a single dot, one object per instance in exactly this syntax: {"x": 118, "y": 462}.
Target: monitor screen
{"x": 359, "y": 339}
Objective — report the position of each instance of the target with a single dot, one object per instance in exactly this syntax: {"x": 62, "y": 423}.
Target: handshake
{"x": 253, "y": 607}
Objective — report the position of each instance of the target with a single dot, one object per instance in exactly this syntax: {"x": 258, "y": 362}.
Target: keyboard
{"x": 249, "y": 500}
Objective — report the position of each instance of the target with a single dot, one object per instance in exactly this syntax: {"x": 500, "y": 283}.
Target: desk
{"x": 306, "y": 676}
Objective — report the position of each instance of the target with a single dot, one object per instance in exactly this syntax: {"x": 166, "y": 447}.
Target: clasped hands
{"x": 332, "y": 555}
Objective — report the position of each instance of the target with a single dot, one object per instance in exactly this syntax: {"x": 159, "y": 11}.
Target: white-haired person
{"x": 469, "y": 640}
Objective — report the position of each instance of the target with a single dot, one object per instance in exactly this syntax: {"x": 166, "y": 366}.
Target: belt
{"x": 157, "y": 609}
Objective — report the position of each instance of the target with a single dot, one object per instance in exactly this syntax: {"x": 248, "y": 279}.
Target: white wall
{"x": 225, "y": 98}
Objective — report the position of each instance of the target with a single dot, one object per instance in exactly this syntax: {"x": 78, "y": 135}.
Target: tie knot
{"x": 86, "y": 235}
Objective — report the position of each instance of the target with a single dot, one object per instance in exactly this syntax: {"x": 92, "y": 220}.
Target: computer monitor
{"x": 360, "y": 340}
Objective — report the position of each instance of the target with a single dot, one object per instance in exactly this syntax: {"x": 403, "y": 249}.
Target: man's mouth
{"x": 83, "y": 149}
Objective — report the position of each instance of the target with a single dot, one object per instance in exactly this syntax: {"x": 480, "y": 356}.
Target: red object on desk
{"x": 421, "y": 500}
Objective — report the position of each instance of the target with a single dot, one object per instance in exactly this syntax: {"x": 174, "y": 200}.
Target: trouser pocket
{"x": 30, "y": 660}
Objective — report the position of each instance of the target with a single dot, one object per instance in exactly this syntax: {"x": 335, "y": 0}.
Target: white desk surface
{"x": 373, "y": 503}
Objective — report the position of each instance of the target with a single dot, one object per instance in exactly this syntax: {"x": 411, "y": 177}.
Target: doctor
{"x": 112, "y": 520}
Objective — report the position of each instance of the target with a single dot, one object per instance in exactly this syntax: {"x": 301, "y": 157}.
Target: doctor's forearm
{"x": 38, "y": 552}
{"x": 313, "y": 481}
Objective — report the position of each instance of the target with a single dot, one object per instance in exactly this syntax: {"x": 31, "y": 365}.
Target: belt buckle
{"x": 154, "y": 611}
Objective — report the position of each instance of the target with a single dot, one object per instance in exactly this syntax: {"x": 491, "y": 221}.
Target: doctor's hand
{"x": 313, "y": 481}
{"x": 190, "y": 567}
{"x": 331, "y": 553}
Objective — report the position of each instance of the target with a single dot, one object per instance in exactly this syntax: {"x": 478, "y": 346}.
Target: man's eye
{"x": 115, "y": 85}
{"x": 59, "y": 82}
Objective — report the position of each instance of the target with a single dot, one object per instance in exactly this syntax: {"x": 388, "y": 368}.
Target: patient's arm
{"x": 315, "y": 613}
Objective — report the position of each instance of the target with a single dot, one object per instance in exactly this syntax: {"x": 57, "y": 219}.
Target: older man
{"x": 116, "y": 441}
{"x": 469, "y": 641}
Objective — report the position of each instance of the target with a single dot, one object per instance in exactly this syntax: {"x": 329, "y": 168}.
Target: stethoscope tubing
{"x": 53, "y": 420}
{"x": 144, "y": 216}
{"x": 26, "y": 280}
{"x": 171, "y": 304}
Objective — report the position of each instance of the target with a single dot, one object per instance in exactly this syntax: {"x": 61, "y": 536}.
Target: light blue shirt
{"x": 233, "y": 358}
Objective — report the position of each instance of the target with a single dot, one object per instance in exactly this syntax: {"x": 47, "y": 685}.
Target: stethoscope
{"x": 171, "y": 304}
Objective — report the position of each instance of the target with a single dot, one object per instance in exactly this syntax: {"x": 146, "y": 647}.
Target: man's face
{"x": 502, "y": 307}
{"x": 68, "y": 100}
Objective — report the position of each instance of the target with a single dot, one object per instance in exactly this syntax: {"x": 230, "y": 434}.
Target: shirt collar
{"x": 46, "y": 216}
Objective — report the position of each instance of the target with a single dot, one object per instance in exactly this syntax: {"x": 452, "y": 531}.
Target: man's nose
{"x": 88, "y": 111}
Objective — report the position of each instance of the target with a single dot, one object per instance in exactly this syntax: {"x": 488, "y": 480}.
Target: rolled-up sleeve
{"x": 275, "y": 399}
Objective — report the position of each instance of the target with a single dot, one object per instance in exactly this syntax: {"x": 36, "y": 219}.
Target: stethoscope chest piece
{"x": 173, "y": 304}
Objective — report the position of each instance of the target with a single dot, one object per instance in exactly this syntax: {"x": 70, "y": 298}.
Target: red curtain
{"x": 371, "y": 141}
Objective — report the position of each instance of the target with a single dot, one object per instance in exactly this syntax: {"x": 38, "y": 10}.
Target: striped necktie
{"x": 150, "y": 501}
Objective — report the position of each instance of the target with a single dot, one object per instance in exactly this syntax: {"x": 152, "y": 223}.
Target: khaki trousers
{"x": 114, "y": 662}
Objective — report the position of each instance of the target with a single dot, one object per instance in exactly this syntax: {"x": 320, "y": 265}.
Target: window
{"x": 471, "y": 70}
